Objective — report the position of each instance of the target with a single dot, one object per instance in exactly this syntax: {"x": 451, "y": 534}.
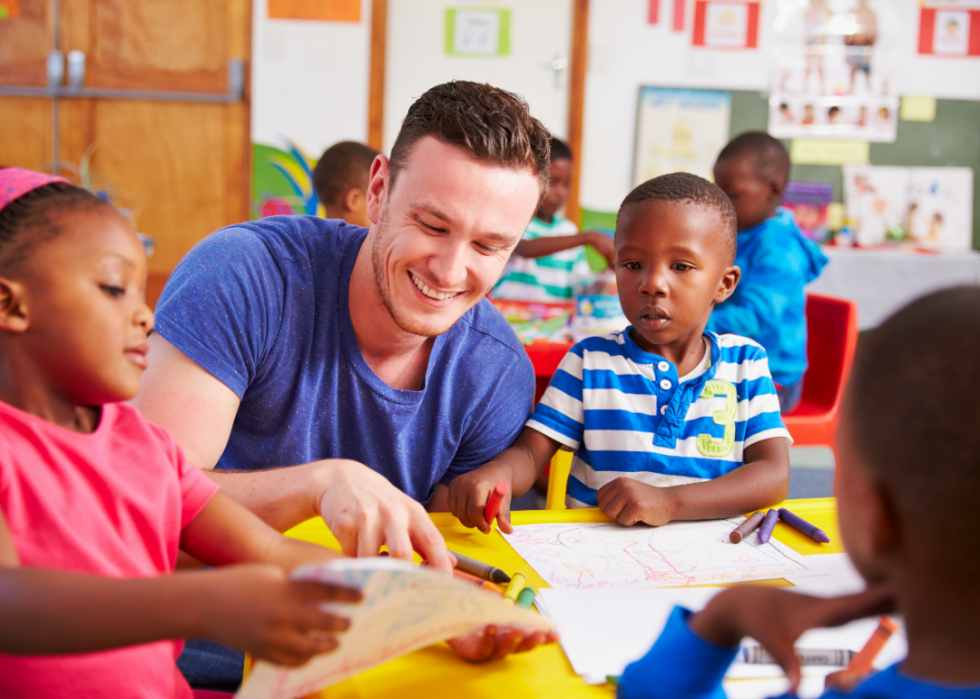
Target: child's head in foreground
{"x": 909, "y": 445}
{"x": 73, "y": 321}
{"x": 675, "y": 248}
{"x": 559, "y": 181}
{"x": 341, "y": 178}
{"x": 753, "y": 170}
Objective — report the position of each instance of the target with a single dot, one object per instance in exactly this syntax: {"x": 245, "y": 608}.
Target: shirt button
{"x": 663, "y": 410}
{"x": 665, "y": 384}
{"x": 663, "y": 366}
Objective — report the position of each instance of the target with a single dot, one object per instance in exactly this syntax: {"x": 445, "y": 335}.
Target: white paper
{"x": 607, "y": 554}
{"x": 404, "y": 608}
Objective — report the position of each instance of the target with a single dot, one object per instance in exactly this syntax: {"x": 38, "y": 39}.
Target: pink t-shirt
{"x": 113, "y": 503}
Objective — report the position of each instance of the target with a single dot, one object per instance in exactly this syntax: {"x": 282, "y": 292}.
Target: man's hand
{"x": 494, "y": 643}
{"x": 364, "y": 511}
{"x": 604, "y": 245}
{"x": 629, "y": 501}
{"x": 776, "y": 618}
{"x": 257, "y": 609}
{"x": 469, "y": 492}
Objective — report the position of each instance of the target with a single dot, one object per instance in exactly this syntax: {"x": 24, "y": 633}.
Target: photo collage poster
{"x": 832, "y": 74}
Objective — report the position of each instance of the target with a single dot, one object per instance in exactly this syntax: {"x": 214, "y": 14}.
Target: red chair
{"x": 832, "y": 333}
{"x": 545, "y": 357}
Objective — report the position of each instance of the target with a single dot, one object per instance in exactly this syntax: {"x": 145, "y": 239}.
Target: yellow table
{"x": 544, "y": 672}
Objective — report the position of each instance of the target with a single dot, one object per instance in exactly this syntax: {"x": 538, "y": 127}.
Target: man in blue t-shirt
{"x": 362, "y": 359}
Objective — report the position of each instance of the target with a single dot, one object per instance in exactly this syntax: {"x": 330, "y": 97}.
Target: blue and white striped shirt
{"x": 627, "y": 413}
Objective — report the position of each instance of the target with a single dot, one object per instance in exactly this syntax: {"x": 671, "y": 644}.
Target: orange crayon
{"x": 861, "y": 663}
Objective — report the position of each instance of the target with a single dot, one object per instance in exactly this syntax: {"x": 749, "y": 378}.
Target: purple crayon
{"x": 768, "y": 524}
{"x": 801, "y": 525}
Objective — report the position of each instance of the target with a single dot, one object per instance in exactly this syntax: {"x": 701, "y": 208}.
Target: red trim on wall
{"x": 680, "y": 7}
{"x": 653, "y": 13}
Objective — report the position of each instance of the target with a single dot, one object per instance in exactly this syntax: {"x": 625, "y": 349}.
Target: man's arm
{"x": 361, "y": 508}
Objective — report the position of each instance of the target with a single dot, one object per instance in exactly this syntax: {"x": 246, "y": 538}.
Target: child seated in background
{"x": 907, "y": 487}
{"x": 668, "y": 421}
{"x": 776, "y": 260}
{"x": 341, "y": 178}
{"x": 550, "y": 255}
{"x": 95, "y": 500}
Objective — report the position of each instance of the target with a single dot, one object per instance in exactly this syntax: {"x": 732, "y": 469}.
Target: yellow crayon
{"x": 517, "y": 583}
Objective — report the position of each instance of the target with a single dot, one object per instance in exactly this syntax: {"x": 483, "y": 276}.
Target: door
{"x": 524, "y": 47}
{"x": 167, "y": 134}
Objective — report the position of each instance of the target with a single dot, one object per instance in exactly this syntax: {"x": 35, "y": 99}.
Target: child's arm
{"x": 520, "y": 465}
{"x": 693, "y": 652}
{"x": 761, "y": 481}
{"x": 540, "y": 247}
{"x": 253, "y": 607}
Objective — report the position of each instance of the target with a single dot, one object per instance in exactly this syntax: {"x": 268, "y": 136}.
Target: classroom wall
{"x": 625, "y": 53}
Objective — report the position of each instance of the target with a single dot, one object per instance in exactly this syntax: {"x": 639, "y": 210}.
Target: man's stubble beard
{"x": 381, "y": 286}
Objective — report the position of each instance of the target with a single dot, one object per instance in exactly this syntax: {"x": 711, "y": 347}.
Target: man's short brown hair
{"x": 490, "y": 124}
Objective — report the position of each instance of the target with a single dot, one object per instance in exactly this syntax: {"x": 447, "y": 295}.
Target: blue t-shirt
{"x": 769, "y": 303}
{"x": 263, "y": 307}
{"x": 681, "y": 665}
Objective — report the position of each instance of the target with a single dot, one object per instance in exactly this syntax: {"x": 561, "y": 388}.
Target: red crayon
{"x": 861, "y": 663}
{"x": 495, "y": 500}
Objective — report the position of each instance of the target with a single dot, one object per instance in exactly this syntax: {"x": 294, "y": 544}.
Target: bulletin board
{"x": 951, "y": 139}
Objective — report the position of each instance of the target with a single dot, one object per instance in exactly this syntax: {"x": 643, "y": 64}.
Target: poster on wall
{"x": 9, "y": 9}
{"x": 726, "y": 24}
{"x": 679, "y": 130}
{"x": 832, "y": 69}
{"x": 929, "y": 207}
{"x": 950, "y": 28}
{"x": 320, "y": 10}
{"x": 478, "y": 32}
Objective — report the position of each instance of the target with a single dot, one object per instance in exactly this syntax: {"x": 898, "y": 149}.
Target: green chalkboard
{"x": 952, "y": 139}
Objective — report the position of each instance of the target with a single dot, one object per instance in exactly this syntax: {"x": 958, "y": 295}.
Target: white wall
{"x": 626, "y": 53}
{"x": 309, "y": 80}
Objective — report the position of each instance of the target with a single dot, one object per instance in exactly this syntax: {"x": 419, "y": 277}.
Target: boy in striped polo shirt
{"x": 667, "y": 421}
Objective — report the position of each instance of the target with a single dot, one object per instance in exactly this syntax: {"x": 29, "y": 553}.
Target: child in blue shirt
{"x": 667, "y": 421}
{"x": 776, "y": 260}
{"x": 907, "y": 491}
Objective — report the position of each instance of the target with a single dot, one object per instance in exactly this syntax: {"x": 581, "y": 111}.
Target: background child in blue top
{"x": 907, "y": 492}
{"x": 669, "y": 422}
{"x": 776, "y": 260}
{"x": 552, "y": 252}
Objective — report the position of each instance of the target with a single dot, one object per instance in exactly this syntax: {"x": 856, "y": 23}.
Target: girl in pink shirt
{"x": 95, "y": 501}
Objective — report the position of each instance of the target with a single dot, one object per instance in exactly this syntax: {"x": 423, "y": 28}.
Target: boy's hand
{"x": 257, "y": 609}
{"x": 776, "y": 618}
{"x": 604, "y": 245}
{"x": 629, "y": 501}
{"x": 493, "y": 642}
{"x": 469, "y": 492}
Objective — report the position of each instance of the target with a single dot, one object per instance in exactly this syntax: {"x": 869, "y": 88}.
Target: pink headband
{"x": 16, "y": 182}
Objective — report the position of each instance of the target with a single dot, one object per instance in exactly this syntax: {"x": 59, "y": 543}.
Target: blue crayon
{"x": 801, "y": 525}
{"x": 768, "y": 524}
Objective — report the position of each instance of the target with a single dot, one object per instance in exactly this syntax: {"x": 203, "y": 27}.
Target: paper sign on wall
{"x": 322, "y": 10}
{"x": 949, "y": 31}
{"x": 726, "y": 25}
{"x": 477, "y": 32}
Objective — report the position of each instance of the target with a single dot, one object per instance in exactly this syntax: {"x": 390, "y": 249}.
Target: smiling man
{"x": 320, "y": 368}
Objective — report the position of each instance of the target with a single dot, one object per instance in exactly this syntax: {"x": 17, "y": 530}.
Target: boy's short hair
{"x": 685, "y": 187}
{"x": 770, "y": 161}
{"x": 914, "y": 419}
{"x": 490, "y": 124}
{"x": 560, "y": 149}
{"x": 342, "y": 167}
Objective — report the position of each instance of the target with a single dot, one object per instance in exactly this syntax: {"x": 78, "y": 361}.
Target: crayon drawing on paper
{"x": 607, "y": 554}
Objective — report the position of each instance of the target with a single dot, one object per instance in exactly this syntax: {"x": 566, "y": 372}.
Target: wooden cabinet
{"x": 182, "y": 166}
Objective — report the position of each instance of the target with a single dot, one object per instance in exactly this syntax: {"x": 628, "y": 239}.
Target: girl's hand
{"x": 776, "y": 618}
{"x": 494, "y": 643}
{"x": 256, "y": 608}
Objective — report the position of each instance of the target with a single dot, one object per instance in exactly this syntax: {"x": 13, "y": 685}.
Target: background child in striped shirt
{"x": 551, "y": 253}
{"x": 667, "y": 421}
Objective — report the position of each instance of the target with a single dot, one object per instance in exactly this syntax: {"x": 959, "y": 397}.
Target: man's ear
{"x": 13, "y": 306}
{"x": 377, "y": 192}
{"x": 728, "y": 282}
